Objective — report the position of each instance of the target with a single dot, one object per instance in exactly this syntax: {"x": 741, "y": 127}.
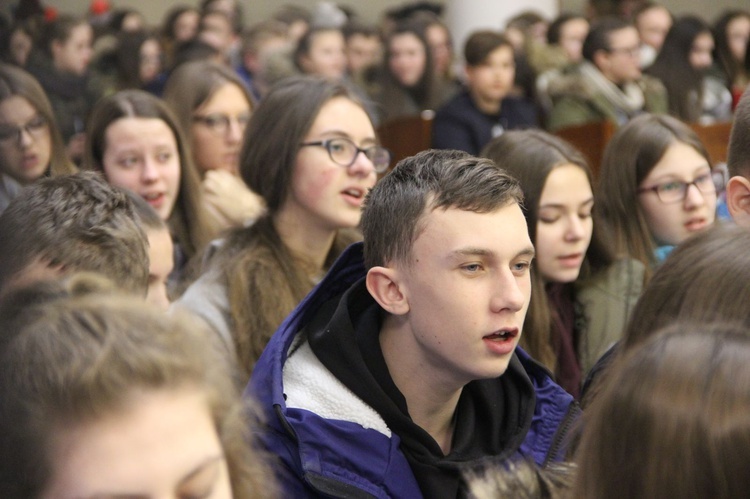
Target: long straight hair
{"x": 674, "y": 419}
{"x": 272, "y": 141}
{"x": 530, "y": 156}
{"x": 629, "y": 157}
{"x": 187, "y": 220}
{"x": 672, "y": 66}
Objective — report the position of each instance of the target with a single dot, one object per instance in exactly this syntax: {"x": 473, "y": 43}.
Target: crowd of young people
{"x": 426, "y": 329}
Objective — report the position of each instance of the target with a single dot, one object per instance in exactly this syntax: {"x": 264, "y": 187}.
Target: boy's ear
{"x": 384, "y": 284}
{"x": 56, "y": 46}
{"x": 468, "y": 74}
{"x": 601, "y": 59}
{"x": 738, "y": 200}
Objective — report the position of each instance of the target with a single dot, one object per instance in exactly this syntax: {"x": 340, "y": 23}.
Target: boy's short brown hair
{"x": 76, "y": 222}
{"x": 481, "y": 44}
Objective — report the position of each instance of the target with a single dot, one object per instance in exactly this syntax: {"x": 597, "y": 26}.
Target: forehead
{"x": 327, "y": 37}
{"x": 703, "y": 40}
{"x": 679, "y": 159}
{"x": 129, "y": 130}
{"x": 341, "y": 114}
{"x": 574, "y": 26}
{"x": 227, "y": 96}
{"x": 623, "y": 37}
{"x": 437, "y": 33}
{"x": 80, "y": 32}
{"x": 502, "y": 232}
{"x": 15, "y": 107}
{"x": 501, "y": 53}
{"x": 406, "y": 40}
{"x": 657, "y": 16}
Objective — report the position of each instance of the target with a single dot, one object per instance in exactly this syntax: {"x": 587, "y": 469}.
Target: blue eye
{"x": 472, "y": 268}
{"x": 521, "y": 265}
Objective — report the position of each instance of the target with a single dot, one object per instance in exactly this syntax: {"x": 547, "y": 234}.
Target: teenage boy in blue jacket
{"x": 396, "y": 376}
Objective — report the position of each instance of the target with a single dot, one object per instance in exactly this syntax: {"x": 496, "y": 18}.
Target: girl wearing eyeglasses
{"x": 135, "y": 141}
{"x": 656, "y": 188}
{"x": 30, "y": 144}
{"x": 214, "y": 107}
{"x": 312, "y": 154}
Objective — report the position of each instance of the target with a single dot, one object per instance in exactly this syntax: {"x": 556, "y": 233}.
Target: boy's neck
{"x": 487, "y": 107}
{"x": 431, "y": 396}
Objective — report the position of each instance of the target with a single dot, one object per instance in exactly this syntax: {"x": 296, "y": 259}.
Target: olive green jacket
{"x": 606, "y": 301}
{"x": 577, "y": 101}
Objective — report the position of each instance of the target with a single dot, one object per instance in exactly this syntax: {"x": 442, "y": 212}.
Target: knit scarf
{"x": 629, "y": 99}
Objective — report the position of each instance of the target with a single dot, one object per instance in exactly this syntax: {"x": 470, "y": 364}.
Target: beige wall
{"x": 370, "y": 10}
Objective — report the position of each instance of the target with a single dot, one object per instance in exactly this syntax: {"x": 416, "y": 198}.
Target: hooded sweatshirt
{"x": 335, "y": 384}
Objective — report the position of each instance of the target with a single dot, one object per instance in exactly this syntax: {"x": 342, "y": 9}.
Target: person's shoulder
{"x": 522, "y": 108}
{"x": 570, "y": 81}
{"x": 652, "y": 85}
{"x": 456, "y": 105}
{"x": 623, "y": 276}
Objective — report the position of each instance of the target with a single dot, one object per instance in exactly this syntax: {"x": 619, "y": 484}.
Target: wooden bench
{"x": 592, "y": 138}
{"x": 715, "y": 138}
{"x": 407, "y": 136}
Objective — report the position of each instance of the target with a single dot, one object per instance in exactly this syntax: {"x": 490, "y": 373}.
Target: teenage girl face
{"x": 162, "y": 443}
{"x": 700, "y": 52}
{"x": 738, "y": 34}
{"x": 407, "y": 58}
{"x": 324, "y": 195}
{"x": 25, "y": 141}
{"x": 218, "y": 129}
{"x": 161, "y": 263}
{"x": 186, "y": 26}
{"x": 141, "y": 154}
{"x": 20, "y": 47}
{"x": 150, "y": 60}
{"x": 572, "y": 35}
{"x": 327, "y": 55}
{"x": 672, "y": 223}
{"x": 564, "y": 224}
{"x": 440, "y": 47}
{"x": 73, "y": 54}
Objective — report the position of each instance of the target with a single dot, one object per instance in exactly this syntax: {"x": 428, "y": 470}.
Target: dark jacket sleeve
{"x": 450, "y": 131}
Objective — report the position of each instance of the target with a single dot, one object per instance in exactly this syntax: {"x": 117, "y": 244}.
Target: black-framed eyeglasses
{"x": 343, "y": 151}
{"x": 33, "y": 127}
{"x": 629, "y": 51}
{"x": 675, "y": 191}
{"x": 218, "y": 123}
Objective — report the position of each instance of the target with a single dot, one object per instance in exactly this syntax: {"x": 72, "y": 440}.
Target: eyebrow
{"x": 675, "y": 175}
{"x": 471, "y": 251}
{"x": 128, "y": 495}
{"x": 557, "y": 205}
{"x": 343, "y": 134}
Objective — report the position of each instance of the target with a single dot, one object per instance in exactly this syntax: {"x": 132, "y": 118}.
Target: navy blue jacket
{"x": 459, "y": 124}
{"x": 331, "y": 443}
